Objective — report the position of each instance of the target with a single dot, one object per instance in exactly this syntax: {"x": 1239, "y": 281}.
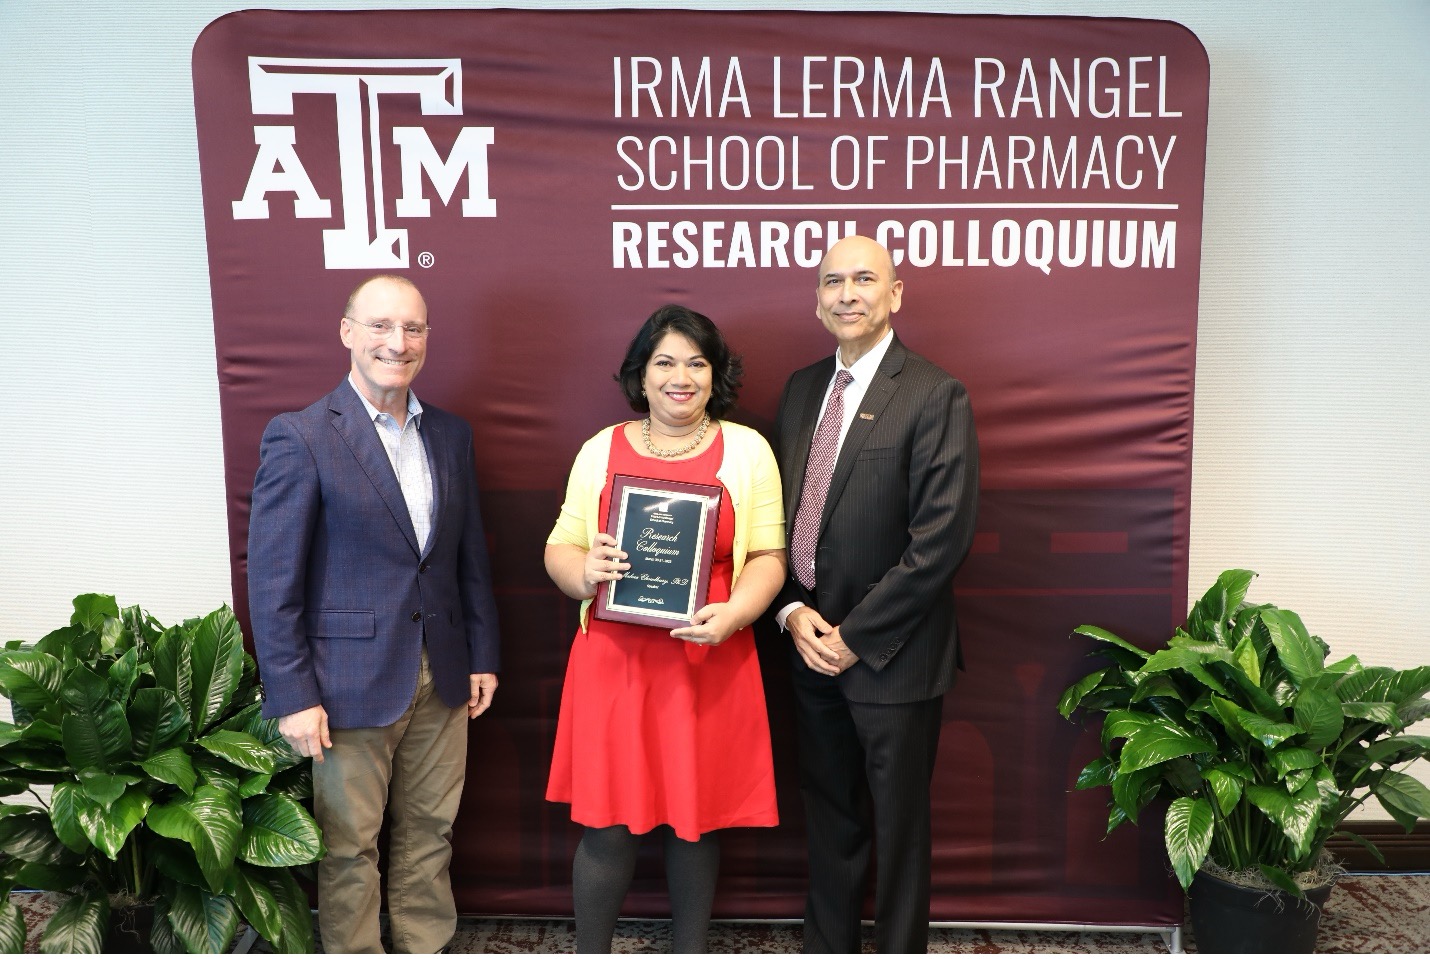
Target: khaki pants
{"x": 416, "y": 766}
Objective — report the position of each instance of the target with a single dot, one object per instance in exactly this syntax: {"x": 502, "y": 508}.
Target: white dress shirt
{"x": 408, "y": 456}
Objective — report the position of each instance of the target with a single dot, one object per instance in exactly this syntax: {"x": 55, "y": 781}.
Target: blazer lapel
{"x": 434, "y": 439}
{"x": 350, "y": 419}
{"x": 876, "y": 397}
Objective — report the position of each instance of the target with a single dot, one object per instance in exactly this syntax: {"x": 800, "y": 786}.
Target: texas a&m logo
{"x": 363, "y": 240}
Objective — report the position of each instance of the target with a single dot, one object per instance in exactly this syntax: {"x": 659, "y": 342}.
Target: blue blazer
{"x": 339, "y": 595}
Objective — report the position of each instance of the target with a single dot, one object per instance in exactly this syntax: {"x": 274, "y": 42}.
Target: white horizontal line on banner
{"x": 894, "y": 206}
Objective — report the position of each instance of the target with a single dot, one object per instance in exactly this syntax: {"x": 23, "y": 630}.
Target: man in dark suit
{"x": 373, "y": 619}
{"x": 880, "y": 465}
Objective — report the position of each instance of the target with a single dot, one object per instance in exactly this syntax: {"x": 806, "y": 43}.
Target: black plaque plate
{"x": 667, "y": 531}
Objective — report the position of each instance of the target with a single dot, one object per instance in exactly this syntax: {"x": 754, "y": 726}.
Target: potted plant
{"x": 1263, "y": 749}
{"x": 169, "y": 791}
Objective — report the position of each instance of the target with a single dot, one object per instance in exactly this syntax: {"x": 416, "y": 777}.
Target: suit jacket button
{"x": 423, "y": 568}
{"x": 417, "y": 617}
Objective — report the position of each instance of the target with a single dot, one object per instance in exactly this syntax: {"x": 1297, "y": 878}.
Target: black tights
{"x": 601, "y": 874}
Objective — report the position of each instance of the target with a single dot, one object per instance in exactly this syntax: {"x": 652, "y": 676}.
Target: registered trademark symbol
{"x": 425, "y": 260}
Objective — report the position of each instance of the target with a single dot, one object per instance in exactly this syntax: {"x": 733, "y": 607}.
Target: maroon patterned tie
{"x": 823, "y": 451}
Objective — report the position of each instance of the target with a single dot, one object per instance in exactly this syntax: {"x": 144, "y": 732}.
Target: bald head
{"x": 857, "y": 293}
{"x": 400, "y": 281}
{"x": 868, "y": 249}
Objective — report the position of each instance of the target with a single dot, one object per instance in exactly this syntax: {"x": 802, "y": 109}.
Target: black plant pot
{"x": 129, "y": 929}
{"x": 1228, "y": 918}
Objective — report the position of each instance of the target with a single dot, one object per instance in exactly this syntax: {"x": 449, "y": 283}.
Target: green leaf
{"x": 78, "y": 926}
{"x": 1409, "y": 685}
{"x": 1382, "y": 713}
{"x": 104, "y": 787}
{"x": 161, "y": 933}
{"x": 202, "y": 922}
{"x": 1103, "y": 636}
{"x": 1282, "y": 878}
{"x": 1371, "y": 684}
{"x": 1188, "y": 658}
{"x": 122, "y": 676}
{"x": 1134, "y": 790}
{"x": 108, "y": 828}
{"x": 240, "y": 749}
{"x": 65, "y": 803}
{"x": 12, "y": 928}
{"x": 174, "y": 666}
{"x": 174, "y": 767}
{"x": 1225, "y": 787}
{"x": 96, "y": 733}
{"x": 256, "y": 901}
{"x": 1115, "y": 817}
{"x": 42, "y": 875}
{"x": 266, "y": 732}
{"x": 1099, "y": 772}
{"x": 93, "y": 610}
{"x": 32, "y": 838}
{"x": 279, "y": 832}
{"x": 175, "y": 860}
{"x": 1398, "y": 749}
{"x": 1188, "y": 836}
{"x": 1318, "y": 711}
{"x": 1122, "y": 723}
{"x": 1300, "y": 654}
{"x": 1157, "y": 686}
{"x": 1413, "y": 711}
{"x": 1245, "y": 658}
{"x": 33, "y": 679}
{"x": 293, "y": 904}
{"x": 216, "y": 772}
{"x": 1290, "y": 758}
{"x": 1268, "y": 732}
{"x": 211, "y": 822}
{"x": 217, "y": 658}
{"x": 1340, "y": 667}
{"x": 1296, "y": 817}
{"x": 254, "y": 784}
{"x": 295, "y": 783}
{"x": 1225, "y": 595}
{"x": 1074, "y": 693}
{"x": 1158, "y": 742}
{"x": 1404, "y": 793}
{"x": 1363, "y": 842}
{"x": 158, "y": 722}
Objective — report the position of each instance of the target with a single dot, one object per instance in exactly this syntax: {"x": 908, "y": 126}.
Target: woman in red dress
{"x": 665, "y": 730}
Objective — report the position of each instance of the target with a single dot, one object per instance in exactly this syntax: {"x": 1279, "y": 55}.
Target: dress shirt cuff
{"x": 782, "y": 616}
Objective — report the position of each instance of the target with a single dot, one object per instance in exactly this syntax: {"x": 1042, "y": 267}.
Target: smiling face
{"x": 384, "y": 367}
{"x": 677, "y": 383}
{"x": 857, "y": 294}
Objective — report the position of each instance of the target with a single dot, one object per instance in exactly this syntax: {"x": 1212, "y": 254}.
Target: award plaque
{"x": 667, "y": 531}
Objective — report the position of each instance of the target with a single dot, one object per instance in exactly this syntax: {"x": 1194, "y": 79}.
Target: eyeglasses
{"x": 382, "y": 329}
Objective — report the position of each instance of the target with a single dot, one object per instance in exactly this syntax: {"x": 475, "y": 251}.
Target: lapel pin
{"x": 866, "y": 416}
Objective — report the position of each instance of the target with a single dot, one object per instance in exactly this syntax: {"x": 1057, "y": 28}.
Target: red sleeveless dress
{"x": 654, "y": 730}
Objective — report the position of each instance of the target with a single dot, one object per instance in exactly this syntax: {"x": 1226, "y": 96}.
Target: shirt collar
{"x": 414, "y": 408}
{"x": 867, "y": 365}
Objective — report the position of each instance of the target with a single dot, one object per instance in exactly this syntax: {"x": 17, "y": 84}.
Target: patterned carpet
{"x": 1366, "y": 914}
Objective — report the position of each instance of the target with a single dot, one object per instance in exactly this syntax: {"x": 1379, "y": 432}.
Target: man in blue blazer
{"x": 373, "y": 619}
{"x": 880, "y": 461}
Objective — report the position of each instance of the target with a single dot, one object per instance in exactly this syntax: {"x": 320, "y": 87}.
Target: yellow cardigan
{"x": 748, "y": 471}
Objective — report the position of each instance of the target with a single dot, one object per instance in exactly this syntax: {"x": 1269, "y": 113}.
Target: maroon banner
{"x": 549, "y": 178}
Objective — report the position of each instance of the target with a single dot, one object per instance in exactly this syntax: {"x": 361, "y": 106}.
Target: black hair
{"x": 725, "y": 366}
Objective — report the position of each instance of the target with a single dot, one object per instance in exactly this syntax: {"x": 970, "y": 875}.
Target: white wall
{"x": 1312, "y": 458}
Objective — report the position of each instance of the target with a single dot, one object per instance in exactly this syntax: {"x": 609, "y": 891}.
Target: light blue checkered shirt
{"x": 408, "y": 456}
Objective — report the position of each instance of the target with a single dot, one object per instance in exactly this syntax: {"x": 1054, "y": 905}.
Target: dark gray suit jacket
{"x": 897, "y": 522}
{"x": 340, "y": 596}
